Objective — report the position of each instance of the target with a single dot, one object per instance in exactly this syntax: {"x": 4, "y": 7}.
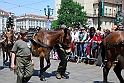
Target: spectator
{"x": 88, "y": 48}
{"x": 119, "y": 27}
{"x": 96, "y": 40}
{"x": 81, "y": 44}
{"x": 113, "y": 29}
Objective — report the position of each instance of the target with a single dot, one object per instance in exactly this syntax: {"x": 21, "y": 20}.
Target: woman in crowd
{"x": 96, "y": 40}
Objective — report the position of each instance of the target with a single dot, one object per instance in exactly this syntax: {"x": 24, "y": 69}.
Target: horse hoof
{"x": 42, "y": 78}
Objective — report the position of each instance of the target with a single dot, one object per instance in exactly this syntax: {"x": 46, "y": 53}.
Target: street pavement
{"x": 76, "y": 73}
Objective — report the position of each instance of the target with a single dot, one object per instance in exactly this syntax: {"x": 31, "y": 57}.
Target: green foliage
{"x": 70, "y": 14}
{"x": 54, "y": 24}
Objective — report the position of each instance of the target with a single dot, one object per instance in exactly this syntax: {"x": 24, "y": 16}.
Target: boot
{"x": 58, "y": 75}
{"x": 63, "y": 75}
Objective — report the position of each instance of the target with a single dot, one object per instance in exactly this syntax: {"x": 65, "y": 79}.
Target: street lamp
{"x": 48, "y": 11}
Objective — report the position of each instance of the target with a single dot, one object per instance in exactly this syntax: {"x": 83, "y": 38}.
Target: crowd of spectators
{"x": 86, "y": 42}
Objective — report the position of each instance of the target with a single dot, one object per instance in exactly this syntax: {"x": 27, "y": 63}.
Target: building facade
{"x": 3, "y": 18}
{"x": 25, "y": 21}
{"x": 33, "y": 21}
{"x": 91, "y": 8}
{"x": 110, "y": 10}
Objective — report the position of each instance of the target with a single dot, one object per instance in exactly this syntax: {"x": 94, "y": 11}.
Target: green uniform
{"x": 24, "y": 68}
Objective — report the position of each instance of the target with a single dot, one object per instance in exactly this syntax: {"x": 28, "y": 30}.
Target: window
{"x": 110, "y": 23}
{"x": 110, "y": 12}
{"x": 2, "y": 13}
{"x": 106, "y": 10}
{"x": 105, "y": 22}
{"x": 114, "y": 12}
{"x": 95, "y": 12}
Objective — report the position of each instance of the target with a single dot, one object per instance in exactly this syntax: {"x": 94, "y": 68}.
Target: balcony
{"x": 110, "y": 15}
{"x": 105, "y": 15}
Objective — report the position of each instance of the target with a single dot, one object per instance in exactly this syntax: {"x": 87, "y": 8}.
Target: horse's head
{"x": 9, "y": 38}
{"x": 66, "y": 40}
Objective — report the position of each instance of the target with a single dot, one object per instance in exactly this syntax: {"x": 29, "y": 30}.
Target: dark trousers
{"x": 63, "y": 61}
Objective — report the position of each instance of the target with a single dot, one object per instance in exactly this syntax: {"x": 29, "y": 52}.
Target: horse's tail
{"x": 102, "y": 53}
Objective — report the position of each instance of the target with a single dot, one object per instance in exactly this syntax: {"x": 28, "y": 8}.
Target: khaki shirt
{"x": 22, "y": 48}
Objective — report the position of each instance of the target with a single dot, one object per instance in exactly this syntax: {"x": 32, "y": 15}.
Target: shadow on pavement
{"x": 1, "y": 67}
{"x": 36, "y": 73}
{"x": 53, "y": 73}
{"x": 48, "y": 75}
{"x": 101, "y": 82}
{"x": 7, "y": 64}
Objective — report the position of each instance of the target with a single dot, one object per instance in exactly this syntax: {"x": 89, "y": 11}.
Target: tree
{"x": 71, "y": 14}
{"x": 54, "y": 24}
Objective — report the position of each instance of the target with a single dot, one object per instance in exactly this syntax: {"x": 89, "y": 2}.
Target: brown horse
{"x": 114, "y": 51}
{"x": 43, "y": 43}
{"x": 7, "y": 45}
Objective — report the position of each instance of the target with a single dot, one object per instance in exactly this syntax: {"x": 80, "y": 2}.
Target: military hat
{"x": 23, "y": 31}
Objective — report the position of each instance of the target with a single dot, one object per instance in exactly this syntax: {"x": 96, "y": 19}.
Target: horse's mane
{"x": 66, "y": 30}
{"x": 51, "y": 32}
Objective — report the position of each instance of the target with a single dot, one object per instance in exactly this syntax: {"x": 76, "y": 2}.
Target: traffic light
{"x": 119, "y": 18}
{"x": 8, "y": 23}
{"x": 101, "y": 8}
{"x": 12, "y": 22}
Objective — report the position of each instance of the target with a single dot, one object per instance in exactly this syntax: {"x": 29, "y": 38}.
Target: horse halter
{"x": 68, "y": 41}
{"x": 9, "y": 42}
{"x": 108, "y": 46}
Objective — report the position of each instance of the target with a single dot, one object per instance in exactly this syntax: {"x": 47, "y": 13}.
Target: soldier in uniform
{"x": 60, "y": 73}
{"x": 21, "y": 58}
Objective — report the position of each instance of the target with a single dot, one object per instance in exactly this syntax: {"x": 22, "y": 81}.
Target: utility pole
{"x": 100, "y": 12}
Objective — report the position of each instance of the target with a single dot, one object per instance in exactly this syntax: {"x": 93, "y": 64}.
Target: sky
{"x": 21, "y": 7}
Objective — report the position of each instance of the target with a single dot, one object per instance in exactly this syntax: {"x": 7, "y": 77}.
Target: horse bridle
{"x": 108, "y": 46}
{"x": 12, "y": 40}
{"x": 39, "y": 42}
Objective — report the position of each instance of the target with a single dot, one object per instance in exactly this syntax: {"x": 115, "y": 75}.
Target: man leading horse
{"x": 43, "y": 42}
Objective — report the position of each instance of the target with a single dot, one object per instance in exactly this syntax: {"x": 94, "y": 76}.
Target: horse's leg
{"x": 117, "y": 71}
{"x": 106, "y": 71}
{"x": 47, "y": 57}
{"x": 4, "y": 58}
{"x": 42, "y": 78}
{"x": 8, "y": 55}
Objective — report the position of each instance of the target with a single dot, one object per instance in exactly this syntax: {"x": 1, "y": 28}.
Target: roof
{"x": 33, "y": 17}
{"x": 110, "y": 2}
{"x": 3, "y": 13}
